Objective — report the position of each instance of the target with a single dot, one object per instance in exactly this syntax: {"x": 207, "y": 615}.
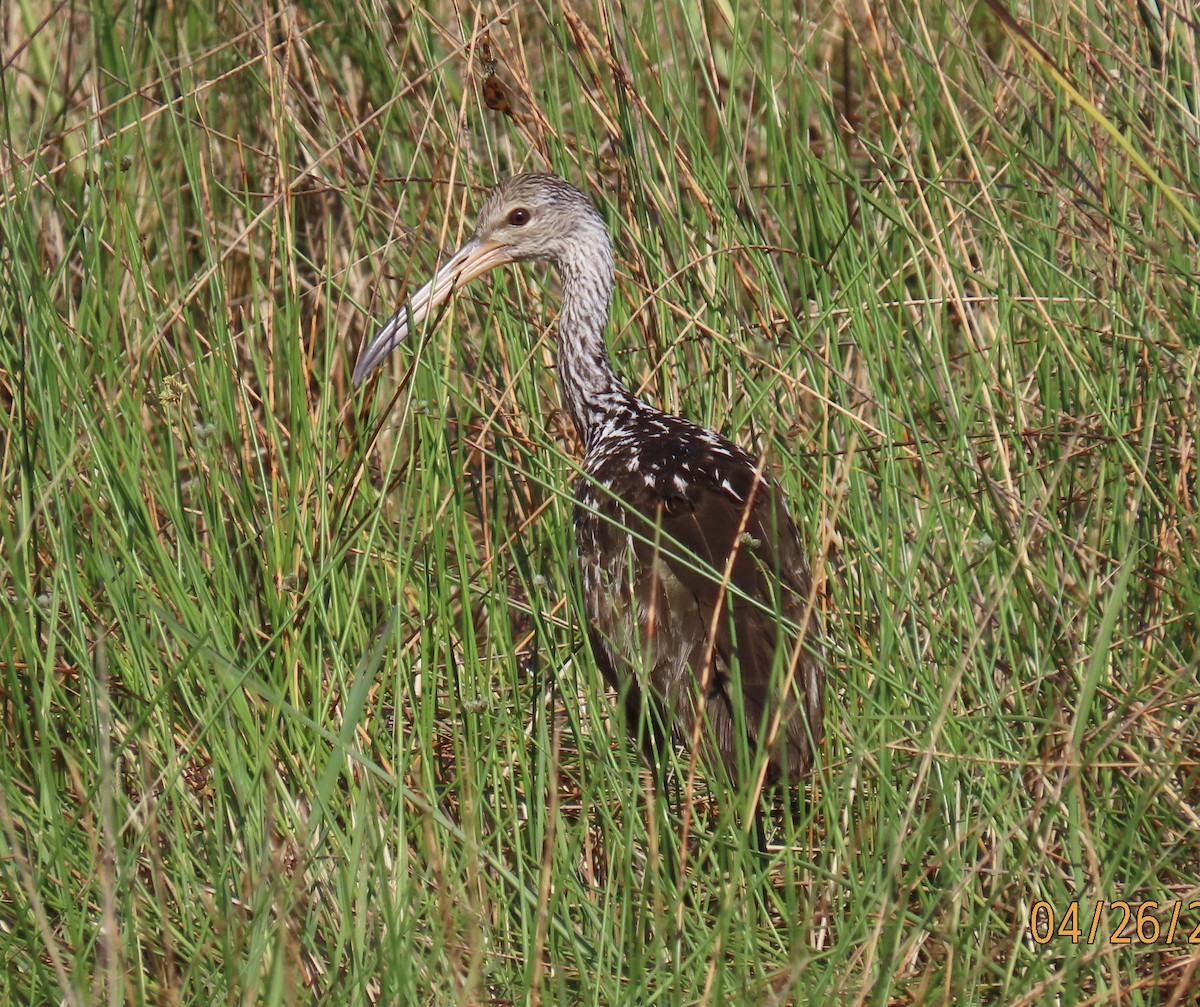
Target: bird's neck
{"x": 591, "y": 390}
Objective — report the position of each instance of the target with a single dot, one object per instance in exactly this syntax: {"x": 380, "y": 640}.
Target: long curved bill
{"x": 474, "y": 259}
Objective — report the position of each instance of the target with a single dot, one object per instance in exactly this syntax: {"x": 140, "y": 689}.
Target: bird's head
{"x": 537, "y": 216}
{"x": 526, "y": 217}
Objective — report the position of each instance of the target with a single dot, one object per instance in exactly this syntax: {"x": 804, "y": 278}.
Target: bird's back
{"x": 662, "y": 508}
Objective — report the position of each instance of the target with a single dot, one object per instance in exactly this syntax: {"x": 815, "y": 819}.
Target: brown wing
{"x": 659, "y": 555}
{"x": 760, "y": 613}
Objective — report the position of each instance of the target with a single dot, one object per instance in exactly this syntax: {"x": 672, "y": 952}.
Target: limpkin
{"x": 695, "y": 586}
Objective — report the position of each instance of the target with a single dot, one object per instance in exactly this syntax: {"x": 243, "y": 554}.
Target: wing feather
{"x": 658, "y": 549}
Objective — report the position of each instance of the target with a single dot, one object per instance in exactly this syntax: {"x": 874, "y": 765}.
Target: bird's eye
{"x": 518, "y": 217}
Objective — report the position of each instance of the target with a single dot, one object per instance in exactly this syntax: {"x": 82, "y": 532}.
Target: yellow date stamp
{"x": 1140, "y": 922}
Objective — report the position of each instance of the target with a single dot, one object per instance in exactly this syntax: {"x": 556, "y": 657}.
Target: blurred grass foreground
{"x": 294, "y": 703}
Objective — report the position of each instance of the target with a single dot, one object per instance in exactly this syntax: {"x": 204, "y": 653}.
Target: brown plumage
{"x": 694, "y": 580}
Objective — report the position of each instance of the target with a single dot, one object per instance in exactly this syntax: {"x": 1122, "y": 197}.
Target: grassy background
{"x": 294, "y": 706}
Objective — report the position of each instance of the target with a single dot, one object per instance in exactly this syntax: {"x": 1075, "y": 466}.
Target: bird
{"x": 697, "y": 597}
